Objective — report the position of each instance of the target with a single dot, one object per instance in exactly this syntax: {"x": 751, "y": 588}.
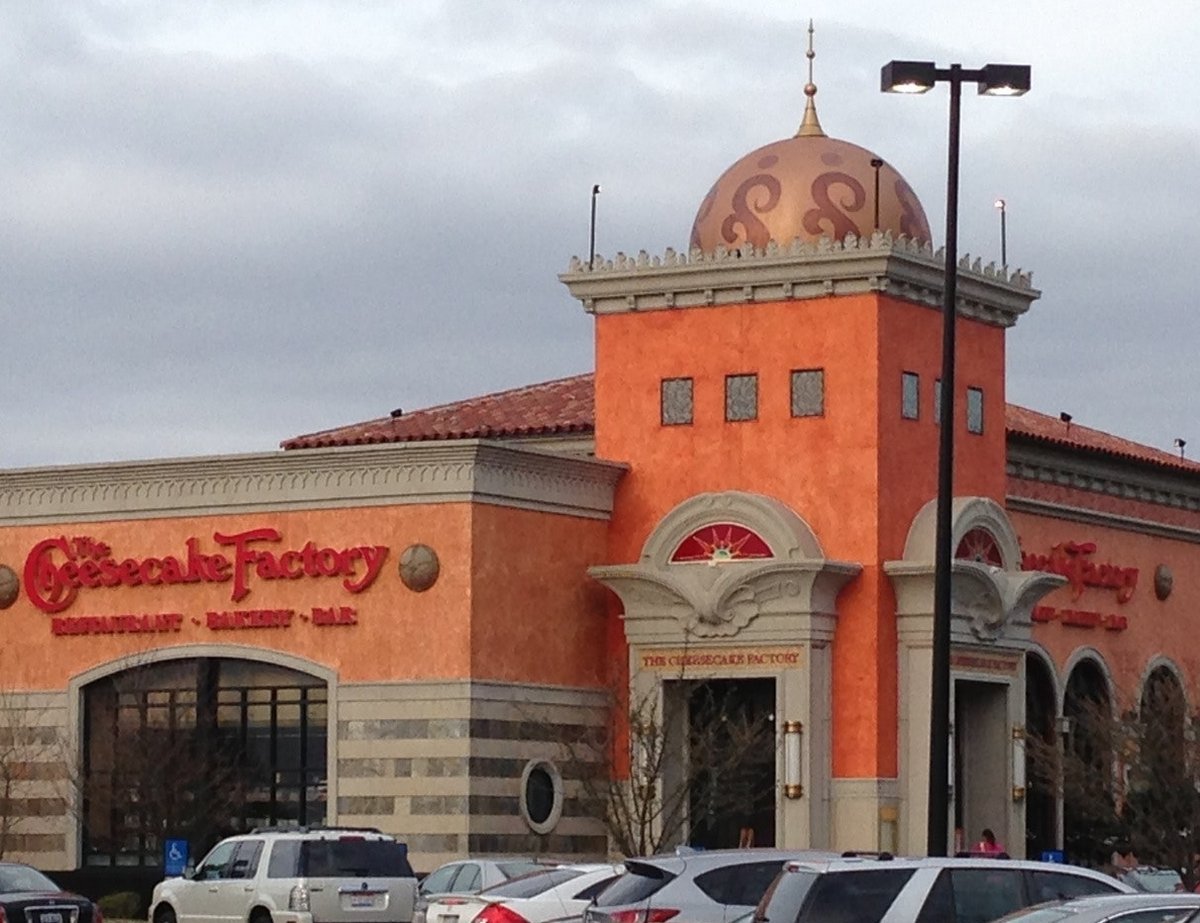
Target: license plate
{"x": 448, "y": 918}
{"x": 365, "y": 900}
{"x": 50, "y": 916}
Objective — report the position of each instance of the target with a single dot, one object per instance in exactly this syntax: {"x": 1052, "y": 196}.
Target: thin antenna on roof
{"x": 1002, "y": 207}
{"x": 592, "y": 229}
{"x": 1179, "y": 444}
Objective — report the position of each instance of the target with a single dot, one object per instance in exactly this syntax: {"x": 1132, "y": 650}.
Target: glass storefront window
{"x": 199, "y": 749}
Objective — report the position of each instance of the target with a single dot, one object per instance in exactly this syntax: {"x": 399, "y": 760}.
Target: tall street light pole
{"x": 992, "y": 80}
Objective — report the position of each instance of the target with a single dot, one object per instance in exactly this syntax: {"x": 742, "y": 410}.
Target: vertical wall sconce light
{"x": 1018, "y": 763}
{"x": 792, "y": 787}
{"x": 950, "y": 762}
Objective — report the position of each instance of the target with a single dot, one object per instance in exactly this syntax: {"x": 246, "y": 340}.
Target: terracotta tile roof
{"x": 1039, "y": 427}
{"x": 549, "y": 408}
{"x": 567, "y": 405}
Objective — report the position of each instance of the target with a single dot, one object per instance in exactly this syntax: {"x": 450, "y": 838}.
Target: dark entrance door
{"x": 732, "y": 744}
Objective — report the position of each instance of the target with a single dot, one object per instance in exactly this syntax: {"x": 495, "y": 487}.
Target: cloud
{"x": 226, "y": 226}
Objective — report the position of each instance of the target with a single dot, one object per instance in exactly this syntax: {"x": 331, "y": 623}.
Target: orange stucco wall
{"x": 536, "y": 615}
{"x": 858, "y": 474}
{"x": 1156, "y": 628}
{"x": 520, "y": 574}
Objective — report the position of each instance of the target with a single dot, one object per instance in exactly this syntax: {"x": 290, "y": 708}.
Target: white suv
{"x": 857, "y": 889}
{"x": 294, "y": 875}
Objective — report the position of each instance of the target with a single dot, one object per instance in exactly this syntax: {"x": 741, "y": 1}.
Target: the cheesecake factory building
{"x": 392, "y": 623}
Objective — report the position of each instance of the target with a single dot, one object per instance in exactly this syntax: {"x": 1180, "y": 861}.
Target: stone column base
{"x": 866, "y": 814}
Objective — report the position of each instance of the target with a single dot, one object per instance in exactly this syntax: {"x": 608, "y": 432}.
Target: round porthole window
{"x": 541, "y": 795}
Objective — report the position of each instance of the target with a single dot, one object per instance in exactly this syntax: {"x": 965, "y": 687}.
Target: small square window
{"x": 676, "y": 401}
{"x": 741, "y": 397}
{"x": 808, "y": 393}
{"x": 910, "y": 395}
{"x": 975, "y": 410}
{"x": 937, "y": 401}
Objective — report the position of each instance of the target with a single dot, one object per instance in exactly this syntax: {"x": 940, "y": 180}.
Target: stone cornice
{"x": 896, "y": 267}
{"x": 470, "y": 470}
{"x": 1129, "y": 480}
{"x": 1098, "y": 518}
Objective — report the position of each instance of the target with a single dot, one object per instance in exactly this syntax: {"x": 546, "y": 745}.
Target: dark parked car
{"x": 28, "y": 896}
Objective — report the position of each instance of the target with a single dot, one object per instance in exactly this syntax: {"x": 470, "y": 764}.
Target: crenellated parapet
{"x": 896, "y": 266}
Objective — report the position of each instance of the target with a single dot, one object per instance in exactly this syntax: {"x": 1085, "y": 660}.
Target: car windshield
{"x": 355, "y": 857}
{"x": 641, "y": 879}
{"x": 513, "y": 869}
{"x": 1154, "y": 881}
{"x": 532, "y": 884}
{"x": 24, "y": 878}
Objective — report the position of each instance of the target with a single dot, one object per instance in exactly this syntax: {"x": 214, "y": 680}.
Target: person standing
{"x": 1123, "y": 858}
{"x": 987, "y": 844}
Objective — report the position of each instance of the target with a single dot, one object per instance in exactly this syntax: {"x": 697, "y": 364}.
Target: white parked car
{"x": 858, "y": 889}
{"x": 294, "y": 875}
{"x": 555, "y": 894}
{"x": 469, "y": 876}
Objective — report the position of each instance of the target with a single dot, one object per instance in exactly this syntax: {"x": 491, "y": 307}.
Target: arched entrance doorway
{"x": 1041, "y": 749}
{"x": 198, "y": 748}
{"x": 1089, "y": 797}
{"x": 1160, "y": 790}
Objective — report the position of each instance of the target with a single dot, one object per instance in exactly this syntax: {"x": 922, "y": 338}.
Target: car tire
{"x": 164, "y": 914}
{"x": 260, "y": 915}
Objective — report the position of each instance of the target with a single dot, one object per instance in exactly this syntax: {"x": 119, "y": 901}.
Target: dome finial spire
{"x": 811, "y": 125}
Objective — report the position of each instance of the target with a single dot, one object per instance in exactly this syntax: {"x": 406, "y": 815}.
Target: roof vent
{"x": 398, "y": 412}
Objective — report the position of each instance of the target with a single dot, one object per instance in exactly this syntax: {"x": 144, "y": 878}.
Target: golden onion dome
{"x": 808, "y": 186}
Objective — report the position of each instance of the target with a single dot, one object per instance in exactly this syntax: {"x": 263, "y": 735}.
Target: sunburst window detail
{"x": 980, "y": 545}
{"x": 722, "y": 541}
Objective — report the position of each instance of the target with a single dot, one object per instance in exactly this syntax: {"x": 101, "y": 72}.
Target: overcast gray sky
{"x": 223, "y": 224}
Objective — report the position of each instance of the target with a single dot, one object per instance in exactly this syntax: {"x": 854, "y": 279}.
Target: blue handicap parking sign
{"x": 175, "y": 857}
{"x": 1053, "y": 855}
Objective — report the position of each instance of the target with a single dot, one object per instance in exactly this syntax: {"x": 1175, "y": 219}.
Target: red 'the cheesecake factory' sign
{"x": 58, "y": 569}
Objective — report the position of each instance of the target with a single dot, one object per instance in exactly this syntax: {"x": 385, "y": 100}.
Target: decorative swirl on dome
{"x": 827, "y": 211}
{"x": 806, "y": 187}
{"x": 744, "y": 211}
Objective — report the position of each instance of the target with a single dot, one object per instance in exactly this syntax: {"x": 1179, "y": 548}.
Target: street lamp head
{"x": 1004, "y": 79}
{"x": 907, "y": 76}
{"x": 596, "y": 189}
{"x": 1000, "y": 204}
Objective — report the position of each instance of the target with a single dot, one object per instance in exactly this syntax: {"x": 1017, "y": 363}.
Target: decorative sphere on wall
{"x": 1164, "y": 581}
{"x": 10, "y": 586}
{"x": 419, "y": 567}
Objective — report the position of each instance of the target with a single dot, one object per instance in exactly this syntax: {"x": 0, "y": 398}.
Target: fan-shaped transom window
{"x": 722, "y": 541}
{"x": 980, "y": 545}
